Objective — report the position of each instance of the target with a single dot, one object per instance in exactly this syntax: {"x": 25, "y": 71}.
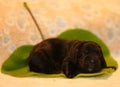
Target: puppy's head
{"x": 89, "y": 57}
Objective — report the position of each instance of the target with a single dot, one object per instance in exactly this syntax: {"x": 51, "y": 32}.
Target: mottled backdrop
{"x": 54, "y": 16}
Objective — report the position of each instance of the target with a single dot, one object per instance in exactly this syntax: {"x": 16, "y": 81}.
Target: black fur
{"x": 71, "y": 57}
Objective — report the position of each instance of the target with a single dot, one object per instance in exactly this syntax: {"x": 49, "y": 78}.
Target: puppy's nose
{"x": 92, "y": 61}
{"x": 90, "y": 69}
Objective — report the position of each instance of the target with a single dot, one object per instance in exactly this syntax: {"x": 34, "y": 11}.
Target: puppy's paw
{"x": 70, "y": 75}
{"x": 69, "y": 69}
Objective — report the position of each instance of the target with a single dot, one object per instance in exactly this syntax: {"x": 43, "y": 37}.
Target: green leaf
{"x": 17, "y": 64}
{"x": 80, "y": 34}
{"x": 18, "y": 59}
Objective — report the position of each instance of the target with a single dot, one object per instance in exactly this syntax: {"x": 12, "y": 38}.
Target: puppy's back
{"x": 47, "y": 56}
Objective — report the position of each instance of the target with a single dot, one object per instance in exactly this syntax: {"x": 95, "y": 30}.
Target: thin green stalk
{"x": 28, "y": 9}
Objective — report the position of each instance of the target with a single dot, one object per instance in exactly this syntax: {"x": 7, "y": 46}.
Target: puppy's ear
{"x": 74, "y": 48}
{"x": 102, "y": 59}
{"x": 100, "y": 54}
{"x": 69, "y": 68}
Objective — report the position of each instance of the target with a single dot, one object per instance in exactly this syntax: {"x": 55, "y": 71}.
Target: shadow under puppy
{"x": 71, "y": 57}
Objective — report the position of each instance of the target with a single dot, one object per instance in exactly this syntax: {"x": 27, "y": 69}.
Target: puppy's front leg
{"x": 69, "y": 68}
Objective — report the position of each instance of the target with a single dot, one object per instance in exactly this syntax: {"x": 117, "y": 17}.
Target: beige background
{"x": 102, "y": 17}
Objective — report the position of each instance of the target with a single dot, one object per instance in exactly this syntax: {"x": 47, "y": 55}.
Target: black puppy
{"x": 71, "y": 57}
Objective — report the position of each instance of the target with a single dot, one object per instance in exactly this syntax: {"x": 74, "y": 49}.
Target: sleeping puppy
{"x": 71, "y": 57}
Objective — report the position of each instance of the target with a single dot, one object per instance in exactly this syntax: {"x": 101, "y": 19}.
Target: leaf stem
{"x": 28, "y": 9}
